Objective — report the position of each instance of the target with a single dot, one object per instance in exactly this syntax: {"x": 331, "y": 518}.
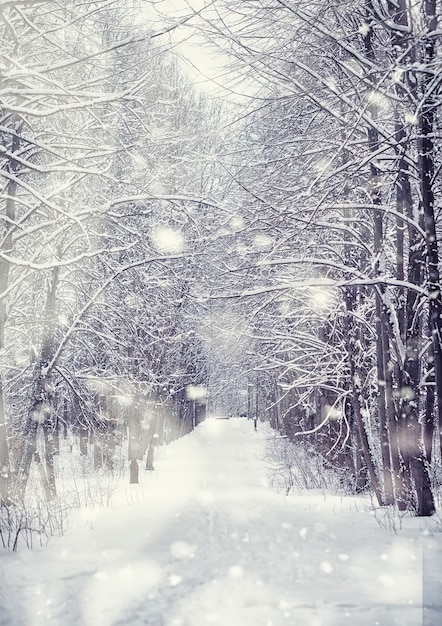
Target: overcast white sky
{"x": 208, "y": 64}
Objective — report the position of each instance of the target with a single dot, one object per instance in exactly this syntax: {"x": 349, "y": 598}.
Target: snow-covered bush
{"x": 31, "y": 525}
{"x": 297, "y": 465}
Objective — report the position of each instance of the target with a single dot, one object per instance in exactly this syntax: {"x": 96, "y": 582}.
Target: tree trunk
{"x": 5, "y": 470}
{"x": 425, "y": 145}
{"x": 133, "y": 472}
{"x": 383, "y": 360}
{"x": 134, "y": 445}
{"x": 6, "y": 248}
{"x": 43, "y": 477}
{"x": 98, "y": 453}
{"x": 84, "y": 437}
{"x": 405, "y": 206}
{"x": 410, "y": 430}
{"x": 429, "y": 425}
{"x": 356, "y": 394}
{"x": 150, "y": 457}
{"x": 40, "y": 396}
{"x": 50, "y": 452}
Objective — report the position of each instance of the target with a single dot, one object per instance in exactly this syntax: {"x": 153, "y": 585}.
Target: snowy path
{"x": 212, "y": 544}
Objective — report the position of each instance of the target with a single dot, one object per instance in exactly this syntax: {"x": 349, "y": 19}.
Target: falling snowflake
{"x": 167, "y": 240}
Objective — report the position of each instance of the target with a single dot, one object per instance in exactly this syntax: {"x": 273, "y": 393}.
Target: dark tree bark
{"x": 429, "y": 424}
{"x": 410, "y": 433}
{"x": 383, "y": 359}
{"x": 84, "y": 438}
{"x": 133, "y": 472}
{"x": 426, "y": 152}
{"x": 40, "y": 396}
{"x": 350, "y": 342}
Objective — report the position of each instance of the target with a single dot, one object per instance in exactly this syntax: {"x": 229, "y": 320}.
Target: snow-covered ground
{"x": 205, "y": 541}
